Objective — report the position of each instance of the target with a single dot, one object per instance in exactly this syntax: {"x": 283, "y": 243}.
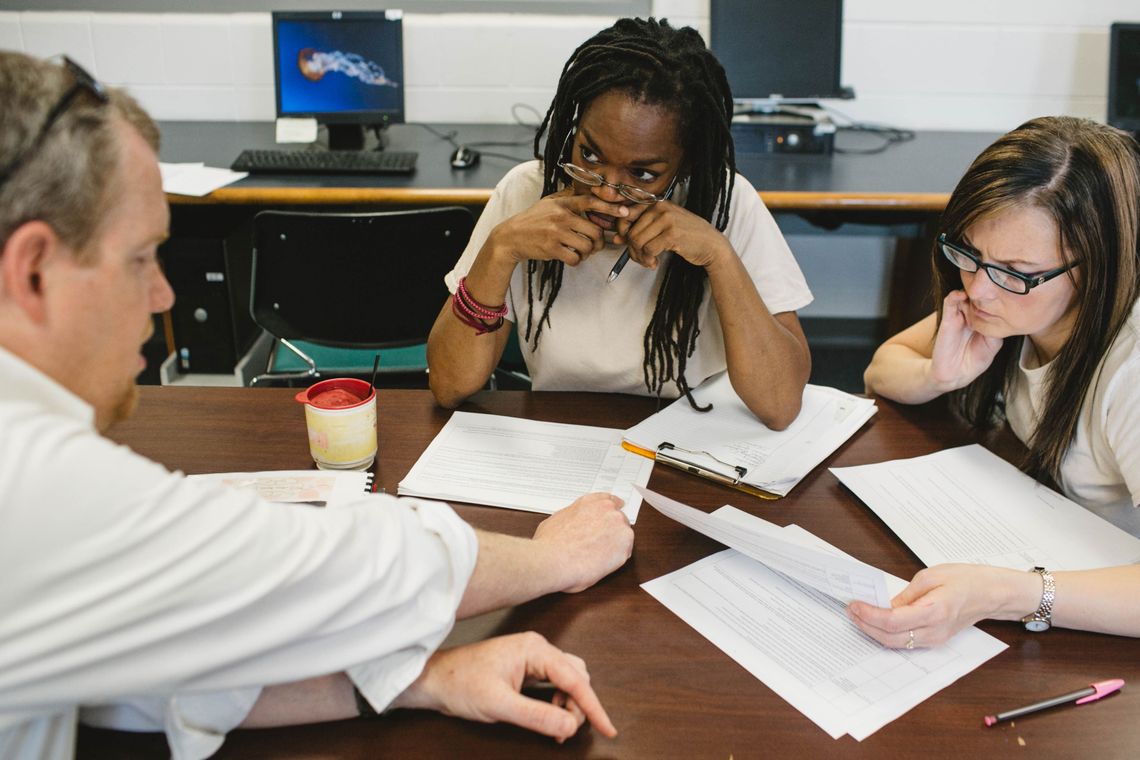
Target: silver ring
{"x": 910, "y": 640}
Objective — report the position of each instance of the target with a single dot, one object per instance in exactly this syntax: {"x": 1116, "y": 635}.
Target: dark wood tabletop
{"x": 670, "y": 692}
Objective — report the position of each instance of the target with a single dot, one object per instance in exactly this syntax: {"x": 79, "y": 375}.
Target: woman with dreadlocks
{"x": 638, "y": 158}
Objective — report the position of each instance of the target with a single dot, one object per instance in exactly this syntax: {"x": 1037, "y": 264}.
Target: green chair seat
{"x": 350, "y": 361}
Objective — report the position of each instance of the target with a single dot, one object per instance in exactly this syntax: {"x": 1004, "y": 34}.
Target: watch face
{"x": 1037, "y": 626}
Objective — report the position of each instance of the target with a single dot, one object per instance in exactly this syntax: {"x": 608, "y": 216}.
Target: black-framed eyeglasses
{"x": 1006, "y": 279}
{"x": 593, "y": 179}
{"x": 84, "y": 82}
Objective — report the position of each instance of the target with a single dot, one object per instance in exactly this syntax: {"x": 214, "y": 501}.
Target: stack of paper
{"x": 524, "y": 464}
{"x": 730, "y": 444}
{"x": 968, "y": 505}
{"x": 788, "y": 626}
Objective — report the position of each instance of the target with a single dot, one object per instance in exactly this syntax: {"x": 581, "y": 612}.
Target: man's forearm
{"x": 508, "y": 571}
{"x": 314, "y": 700}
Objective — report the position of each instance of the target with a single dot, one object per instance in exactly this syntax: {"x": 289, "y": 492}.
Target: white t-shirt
{"x": 170, "y": 603}
{"x": 1101, "y": 469}
{"x": 595, "y": 339}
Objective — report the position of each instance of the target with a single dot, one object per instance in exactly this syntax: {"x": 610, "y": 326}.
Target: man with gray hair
{"x": 165, "y": 603}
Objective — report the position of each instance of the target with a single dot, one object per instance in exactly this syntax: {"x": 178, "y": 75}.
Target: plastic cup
{"x": 341, "y": 418}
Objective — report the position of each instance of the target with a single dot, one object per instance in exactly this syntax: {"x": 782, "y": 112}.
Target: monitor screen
{"x": 779, "y": 49}
{"x": 341, "y": 67}
{"x": 1124, "y": 77}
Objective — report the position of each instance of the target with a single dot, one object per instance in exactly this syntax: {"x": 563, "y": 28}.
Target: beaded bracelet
{"x": 480, "y": 310}
{"x": 480, "y": 326}
{"x": 475, "y": 314}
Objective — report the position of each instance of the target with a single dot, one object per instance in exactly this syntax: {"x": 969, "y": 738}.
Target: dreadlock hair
{"x": 659, "y": 65}
{"x": 1086, "y": 176}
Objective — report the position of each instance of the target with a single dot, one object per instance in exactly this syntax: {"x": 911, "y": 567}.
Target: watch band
{"x": 1042, "y": 618}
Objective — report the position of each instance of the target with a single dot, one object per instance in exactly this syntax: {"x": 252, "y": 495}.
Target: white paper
{"x": 195, "y": 179}
{"x": 296, "y": 130}
{"x": 840, "y": 577}
{"x": 322, "y": 488}
{"x": 801, "y": 644}
{"x": 524, "y": 464}
{"x": 967, "y": 504}
{"x": 731, "y": 435}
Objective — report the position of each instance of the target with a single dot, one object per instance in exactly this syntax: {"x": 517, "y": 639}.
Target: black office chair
{"x": 351, "y": 281}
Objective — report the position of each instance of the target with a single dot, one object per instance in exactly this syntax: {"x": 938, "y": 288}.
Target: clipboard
{"x": 666, "y": 454}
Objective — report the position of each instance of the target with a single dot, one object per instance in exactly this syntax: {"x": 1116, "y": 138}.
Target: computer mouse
{"x": 464, "y": 157}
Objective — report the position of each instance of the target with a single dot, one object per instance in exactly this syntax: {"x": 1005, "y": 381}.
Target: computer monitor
{"x": 344, "y": 68}
{"x": 1124, "y": 77}
{"x": 779, "y": 50}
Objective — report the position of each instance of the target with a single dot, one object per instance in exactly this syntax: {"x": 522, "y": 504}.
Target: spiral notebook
{"x": 318, "y": 488}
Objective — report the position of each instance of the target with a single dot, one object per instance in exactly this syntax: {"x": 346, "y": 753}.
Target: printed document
{"x": 967, "y": 504}
{"x": 838, "y": 576}
{"x": 524, "y": 464}
{"x": 801, "y": 644}
{"x": 730, "y": 438}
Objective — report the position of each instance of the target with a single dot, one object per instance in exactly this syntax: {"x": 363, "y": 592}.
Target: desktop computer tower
{"x": 210, "y": 319}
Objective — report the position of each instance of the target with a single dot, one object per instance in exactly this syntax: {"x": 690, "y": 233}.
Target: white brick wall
{"x": 971, "y": 64}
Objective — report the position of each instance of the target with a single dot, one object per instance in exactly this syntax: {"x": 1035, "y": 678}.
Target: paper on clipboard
{"x": 729, "y": 445}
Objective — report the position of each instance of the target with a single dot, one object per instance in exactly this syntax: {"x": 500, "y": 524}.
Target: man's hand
{"x": 482, "y": 681}
{"x": 588, "y": 539}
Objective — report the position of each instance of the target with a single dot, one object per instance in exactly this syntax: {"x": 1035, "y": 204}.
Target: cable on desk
{"x": 450, "y": 138}
{"x": 889, "y": 135}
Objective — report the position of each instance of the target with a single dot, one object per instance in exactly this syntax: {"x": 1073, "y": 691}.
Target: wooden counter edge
{"x": 327, "y": 196}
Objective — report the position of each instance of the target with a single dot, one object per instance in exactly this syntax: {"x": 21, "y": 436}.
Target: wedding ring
{"x": 910, "y": 640}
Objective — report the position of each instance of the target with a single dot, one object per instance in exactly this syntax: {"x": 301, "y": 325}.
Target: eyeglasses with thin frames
{"x": 1006, "y": 279}
{"x": 84, "y": 82}
{"x": 593, "y": 179}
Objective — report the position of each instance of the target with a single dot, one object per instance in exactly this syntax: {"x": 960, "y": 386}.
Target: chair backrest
{"x": 366, "y": 280}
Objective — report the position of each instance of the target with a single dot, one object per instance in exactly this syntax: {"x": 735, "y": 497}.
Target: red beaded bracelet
{"x": 474, "y": 314}
{"x": 478, "y": 309}
{"x": 468, "y": 319}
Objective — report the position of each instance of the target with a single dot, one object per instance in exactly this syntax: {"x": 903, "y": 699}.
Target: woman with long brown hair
{"x": 1037, "y": 271}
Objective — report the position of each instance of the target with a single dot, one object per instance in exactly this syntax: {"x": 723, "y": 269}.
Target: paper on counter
{"x": 801, "y": 644}
{"x": 196, "y": 179}
{"x": 967, "y": 504}
{"x": 296, "y": 130}
{"x": 525, "y": 464}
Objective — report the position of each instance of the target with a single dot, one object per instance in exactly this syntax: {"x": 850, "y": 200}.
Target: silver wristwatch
{"x": 1042, "y": 618}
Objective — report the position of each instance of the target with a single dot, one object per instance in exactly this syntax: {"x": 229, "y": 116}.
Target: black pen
{"x": 1090, "y": 694}
{"x": 618, "y": 266}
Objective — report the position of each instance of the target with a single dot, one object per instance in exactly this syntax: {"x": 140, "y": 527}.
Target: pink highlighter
{"x": 1091, "y": 694}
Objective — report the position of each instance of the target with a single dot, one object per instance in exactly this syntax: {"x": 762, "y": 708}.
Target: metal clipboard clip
{"x": 665, "y": 456}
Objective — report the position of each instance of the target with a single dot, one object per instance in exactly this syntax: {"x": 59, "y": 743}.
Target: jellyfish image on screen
{"x": 314, "y": 64}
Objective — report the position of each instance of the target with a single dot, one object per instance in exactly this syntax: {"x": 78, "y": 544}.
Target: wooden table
{"x": 671, "y": 693}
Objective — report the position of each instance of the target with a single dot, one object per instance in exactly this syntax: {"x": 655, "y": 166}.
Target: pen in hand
{"x": 1090, "y": 694}
{"x": 618, "y": 266}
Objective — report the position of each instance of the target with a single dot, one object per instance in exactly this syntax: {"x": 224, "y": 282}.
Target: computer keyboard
{"x": 325, "y": 162}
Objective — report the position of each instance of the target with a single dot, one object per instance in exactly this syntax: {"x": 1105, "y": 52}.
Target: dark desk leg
{"x": 909, "y": 299}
